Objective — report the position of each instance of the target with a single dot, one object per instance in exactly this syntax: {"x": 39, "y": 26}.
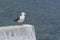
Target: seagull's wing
{"x": 16, "y": 19}
{"x": 21, "y": 18}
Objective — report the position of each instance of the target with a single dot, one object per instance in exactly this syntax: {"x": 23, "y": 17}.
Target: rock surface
{"x": 17, "y": 32}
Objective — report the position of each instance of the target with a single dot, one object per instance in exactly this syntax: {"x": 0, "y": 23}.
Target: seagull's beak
{"x": 25, "y": 14}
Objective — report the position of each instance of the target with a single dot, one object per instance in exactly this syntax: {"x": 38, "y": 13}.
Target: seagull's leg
{"x": 21, "y": 23}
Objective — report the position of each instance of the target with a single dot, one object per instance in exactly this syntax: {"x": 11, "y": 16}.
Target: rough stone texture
{"x": 17, "y": 32}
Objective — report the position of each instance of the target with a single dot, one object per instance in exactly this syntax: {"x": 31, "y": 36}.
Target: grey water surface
{"x": 43, "y": 14}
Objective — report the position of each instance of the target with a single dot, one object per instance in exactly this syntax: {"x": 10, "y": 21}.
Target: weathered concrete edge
{"x": 15, "y": 27}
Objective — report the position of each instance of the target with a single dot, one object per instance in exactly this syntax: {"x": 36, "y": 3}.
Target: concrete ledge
{"x": 17, "y": 32}
{"x": 15, "y": 27}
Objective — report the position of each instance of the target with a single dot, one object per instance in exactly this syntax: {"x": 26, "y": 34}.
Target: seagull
{"x": 21, "y": 18}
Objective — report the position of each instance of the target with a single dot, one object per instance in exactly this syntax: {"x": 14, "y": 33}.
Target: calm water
{"x": 43, "y": 14}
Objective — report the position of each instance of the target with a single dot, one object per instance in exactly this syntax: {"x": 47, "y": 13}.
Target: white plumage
{"x": 21, "y": 18}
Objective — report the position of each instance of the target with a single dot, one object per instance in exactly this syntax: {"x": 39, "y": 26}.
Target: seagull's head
{"x": 23, "y": 13}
